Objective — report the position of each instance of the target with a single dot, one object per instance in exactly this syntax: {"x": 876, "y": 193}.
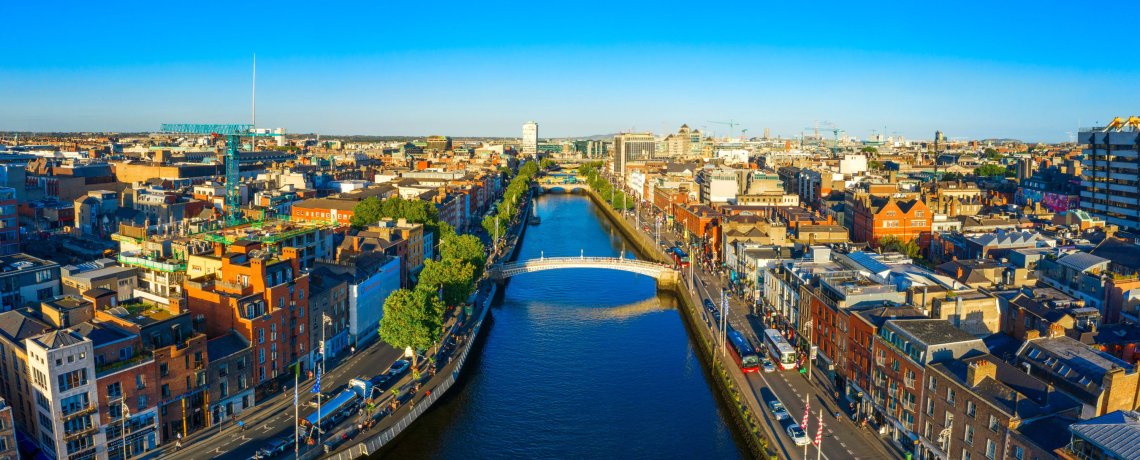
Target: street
{"x": 842, "y": 438}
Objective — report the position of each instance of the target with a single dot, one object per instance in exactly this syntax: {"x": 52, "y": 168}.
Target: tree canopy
{"x": 908, "y": 248}
{"x": 465, "y": 248}
{"x": 370, "y": 210}
{"x": 454, "y": 277}
{"x": 990, "y": 170}
{"x": 411, "y": 319}
{"x": 616, "y": 198}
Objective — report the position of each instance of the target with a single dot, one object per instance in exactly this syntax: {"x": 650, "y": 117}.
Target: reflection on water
{"x": 582, "y": 363}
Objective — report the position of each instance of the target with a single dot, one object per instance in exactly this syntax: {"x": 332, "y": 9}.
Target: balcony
{"x": 141, "y": 357}
{"x": 69, "y": 436}
{"x": 89, "y": 408}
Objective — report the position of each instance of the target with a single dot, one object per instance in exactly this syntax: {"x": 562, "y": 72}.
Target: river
{"x": 578, "y": 363}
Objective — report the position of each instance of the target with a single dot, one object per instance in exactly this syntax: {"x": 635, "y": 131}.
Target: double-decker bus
{"x": 742, "y": 350}
{"x": 782, "y": 352}
{"x": 680, "y": 258}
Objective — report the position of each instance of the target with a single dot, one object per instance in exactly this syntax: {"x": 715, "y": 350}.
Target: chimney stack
{"x": 978, "y": 370}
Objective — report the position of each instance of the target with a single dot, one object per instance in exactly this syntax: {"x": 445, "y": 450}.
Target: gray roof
{"x": 17, "y": 326}
{"x": 1071, "y": 365}
{"x": 1001, "y": 238}
{"x": 225, "y": 345}
{"x": 1012, "y": 390}
{"x": 1081, "y": 261}
{"x": 101, "y": 333}
{"x": 59, "y": 338}
{"x": 1116, "y": 432}
{"x": 932, "y": 331}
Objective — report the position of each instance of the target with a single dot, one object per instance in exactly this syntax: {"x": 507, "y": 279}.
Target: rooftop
{"x": 932, "y": 331}
{"x": 1116, "y": 432}
{"x": 1014, "y": 391}
{"x": 226, "y": 345}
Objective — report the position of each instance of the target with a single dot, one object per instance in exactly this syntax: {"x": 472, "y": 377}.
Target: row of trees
{"x": 413, "y": 318}
{"x": 508, "y": 207}
{"x": 616, "y": 198}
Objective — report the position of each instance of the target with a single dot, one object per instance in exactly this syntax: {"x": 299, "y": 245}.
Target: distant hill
{"x": 598, "y": 137}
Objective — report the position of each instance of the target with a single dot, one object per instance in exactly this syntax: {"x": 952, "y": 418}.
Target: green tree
{"x": 990, "y": 170}
{"x": 547, "y": 163}
{"x": 411, "y": 319}
{"x": 907, "y": 248}
{"x": 466, "y": 248}
{"x": 455, "y": 277}
{"x": 367, "y": 212}
{"x": 869, "y": 149}
{"x": 874, "y": 165}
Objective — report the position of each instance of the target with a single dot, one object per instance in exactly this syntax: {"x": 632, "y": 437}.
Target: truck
{"x": 338, "y": 408}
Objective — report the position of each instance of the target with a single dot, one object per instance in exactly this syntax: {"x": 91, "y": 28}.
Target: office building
{"x": 1109, "y": 174}
{"x": 530, "y": 139}
{"x": 632, "y": 146}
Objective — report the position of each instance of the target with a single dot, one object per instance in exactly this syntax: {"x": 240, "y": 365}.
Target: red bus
{"x": 742, "y": 351}
{"x": 680, "y": 258}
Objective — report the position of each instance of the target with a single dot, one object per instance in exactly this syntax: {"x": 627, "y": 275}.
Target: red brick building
{"x": 875, "y": 218}
{"x": 260, "y": 295}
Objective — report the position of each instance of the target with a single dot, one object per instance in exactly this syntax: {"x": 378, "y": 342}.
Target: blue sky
{"x": 1032, "y": 71}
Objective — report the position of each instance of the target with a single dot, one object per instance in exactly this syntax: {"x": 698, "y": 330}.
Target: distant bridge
{"x": 561, "y": 185}
{"x": 665, "y": 275}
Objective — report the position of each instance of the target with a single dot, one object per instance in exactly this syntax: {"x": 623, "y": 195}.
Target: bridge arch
{"x": 665, "y": 275}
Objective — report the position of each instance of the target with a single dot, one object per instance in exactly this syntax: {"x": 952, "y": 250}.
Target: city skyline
{"x": 901, "y": 68}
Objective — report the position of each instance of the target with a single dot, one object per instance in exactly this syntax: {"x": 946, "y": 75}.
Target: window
{"x": 933, "y": 384}
{"x": 165, "y": 390}
{"x": 72, "y": 379}
{"x": 993, "y": 423}
{"x": 991, "y": 449}
{"x": 965, "y": 454}
{"x": 1018, "y": 453}
{"x": 968, "y": 435}
{"x": 918, "y": 223}
{"x": 929, "y": 406}
{"x": 114, "y": 390}
{"x": 890, "y": 224}
{"x": 950, "y": 395}
{"x": 163, "y": 370}
{"x": 140, "y": 382}
{"x": 918, "y": 214}
{"x": 971, "y": 409}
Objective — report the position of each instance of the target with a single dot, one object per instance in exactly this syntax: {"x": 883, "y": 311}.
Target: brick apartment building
{"x": 262, "y": 296}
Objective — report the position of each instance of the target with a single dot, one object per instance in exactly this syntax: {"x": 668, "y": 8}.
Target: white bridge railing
{"x": 642, "y": 267}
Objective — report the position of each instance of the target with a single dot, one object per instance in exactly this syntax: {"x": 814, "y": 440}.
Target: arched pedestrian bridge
{"x": 665, "y": 275}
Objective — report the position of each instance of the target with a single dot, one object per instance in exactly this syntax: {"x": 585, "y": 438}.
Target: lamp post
{"x": 811, "y": 336}
{"x": 126, "y": 416}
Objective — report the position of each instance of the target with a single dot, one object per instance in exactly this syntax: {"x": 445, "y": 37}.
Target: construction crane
{"x": 233, "y": 134}
{"x": 732, "y": 124}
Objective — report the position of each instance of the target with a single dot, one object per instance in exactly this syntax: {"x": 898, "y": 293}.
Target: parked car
{"x": 709, "y": 305}
{"x": 778, "y": 410}
{"x": 797, "y": 434}
{"x": 768, "y": 365}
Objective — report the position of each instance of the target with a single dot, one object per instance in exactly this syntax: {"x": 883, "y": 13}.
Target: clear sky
{"x": 1028, "y": 70}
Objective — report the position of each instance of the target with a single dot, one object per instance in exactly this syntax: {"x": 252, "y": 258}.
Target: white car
{"x": 797, "y": 434}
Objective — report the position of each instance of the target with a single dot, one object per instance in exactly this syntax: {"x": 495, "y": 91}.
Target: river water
{"x": 578, "y": 363}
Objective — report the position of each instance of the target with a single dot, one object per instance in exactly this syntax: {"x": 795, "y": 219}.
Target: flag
{"x": 807, "y": 412}
{"x": 819, "y": 432}
{"x": 317, "y": 385}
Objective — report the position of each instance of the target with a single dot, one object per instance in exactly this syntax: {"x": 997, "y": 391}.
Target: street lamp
{"x": 811, "y": 348}
{"x": 126, "y": 415}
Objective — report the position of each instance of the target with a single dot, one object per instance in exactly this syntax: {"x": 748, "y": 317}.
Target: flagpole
{"x": 819, "y": 437}
{"x": 807, "y": 415}
{"x": 296, "y": 416}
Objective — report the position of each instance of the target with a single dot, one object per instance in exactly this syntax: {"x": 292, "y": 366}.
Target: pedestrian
{"x": 352, "y": 349}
